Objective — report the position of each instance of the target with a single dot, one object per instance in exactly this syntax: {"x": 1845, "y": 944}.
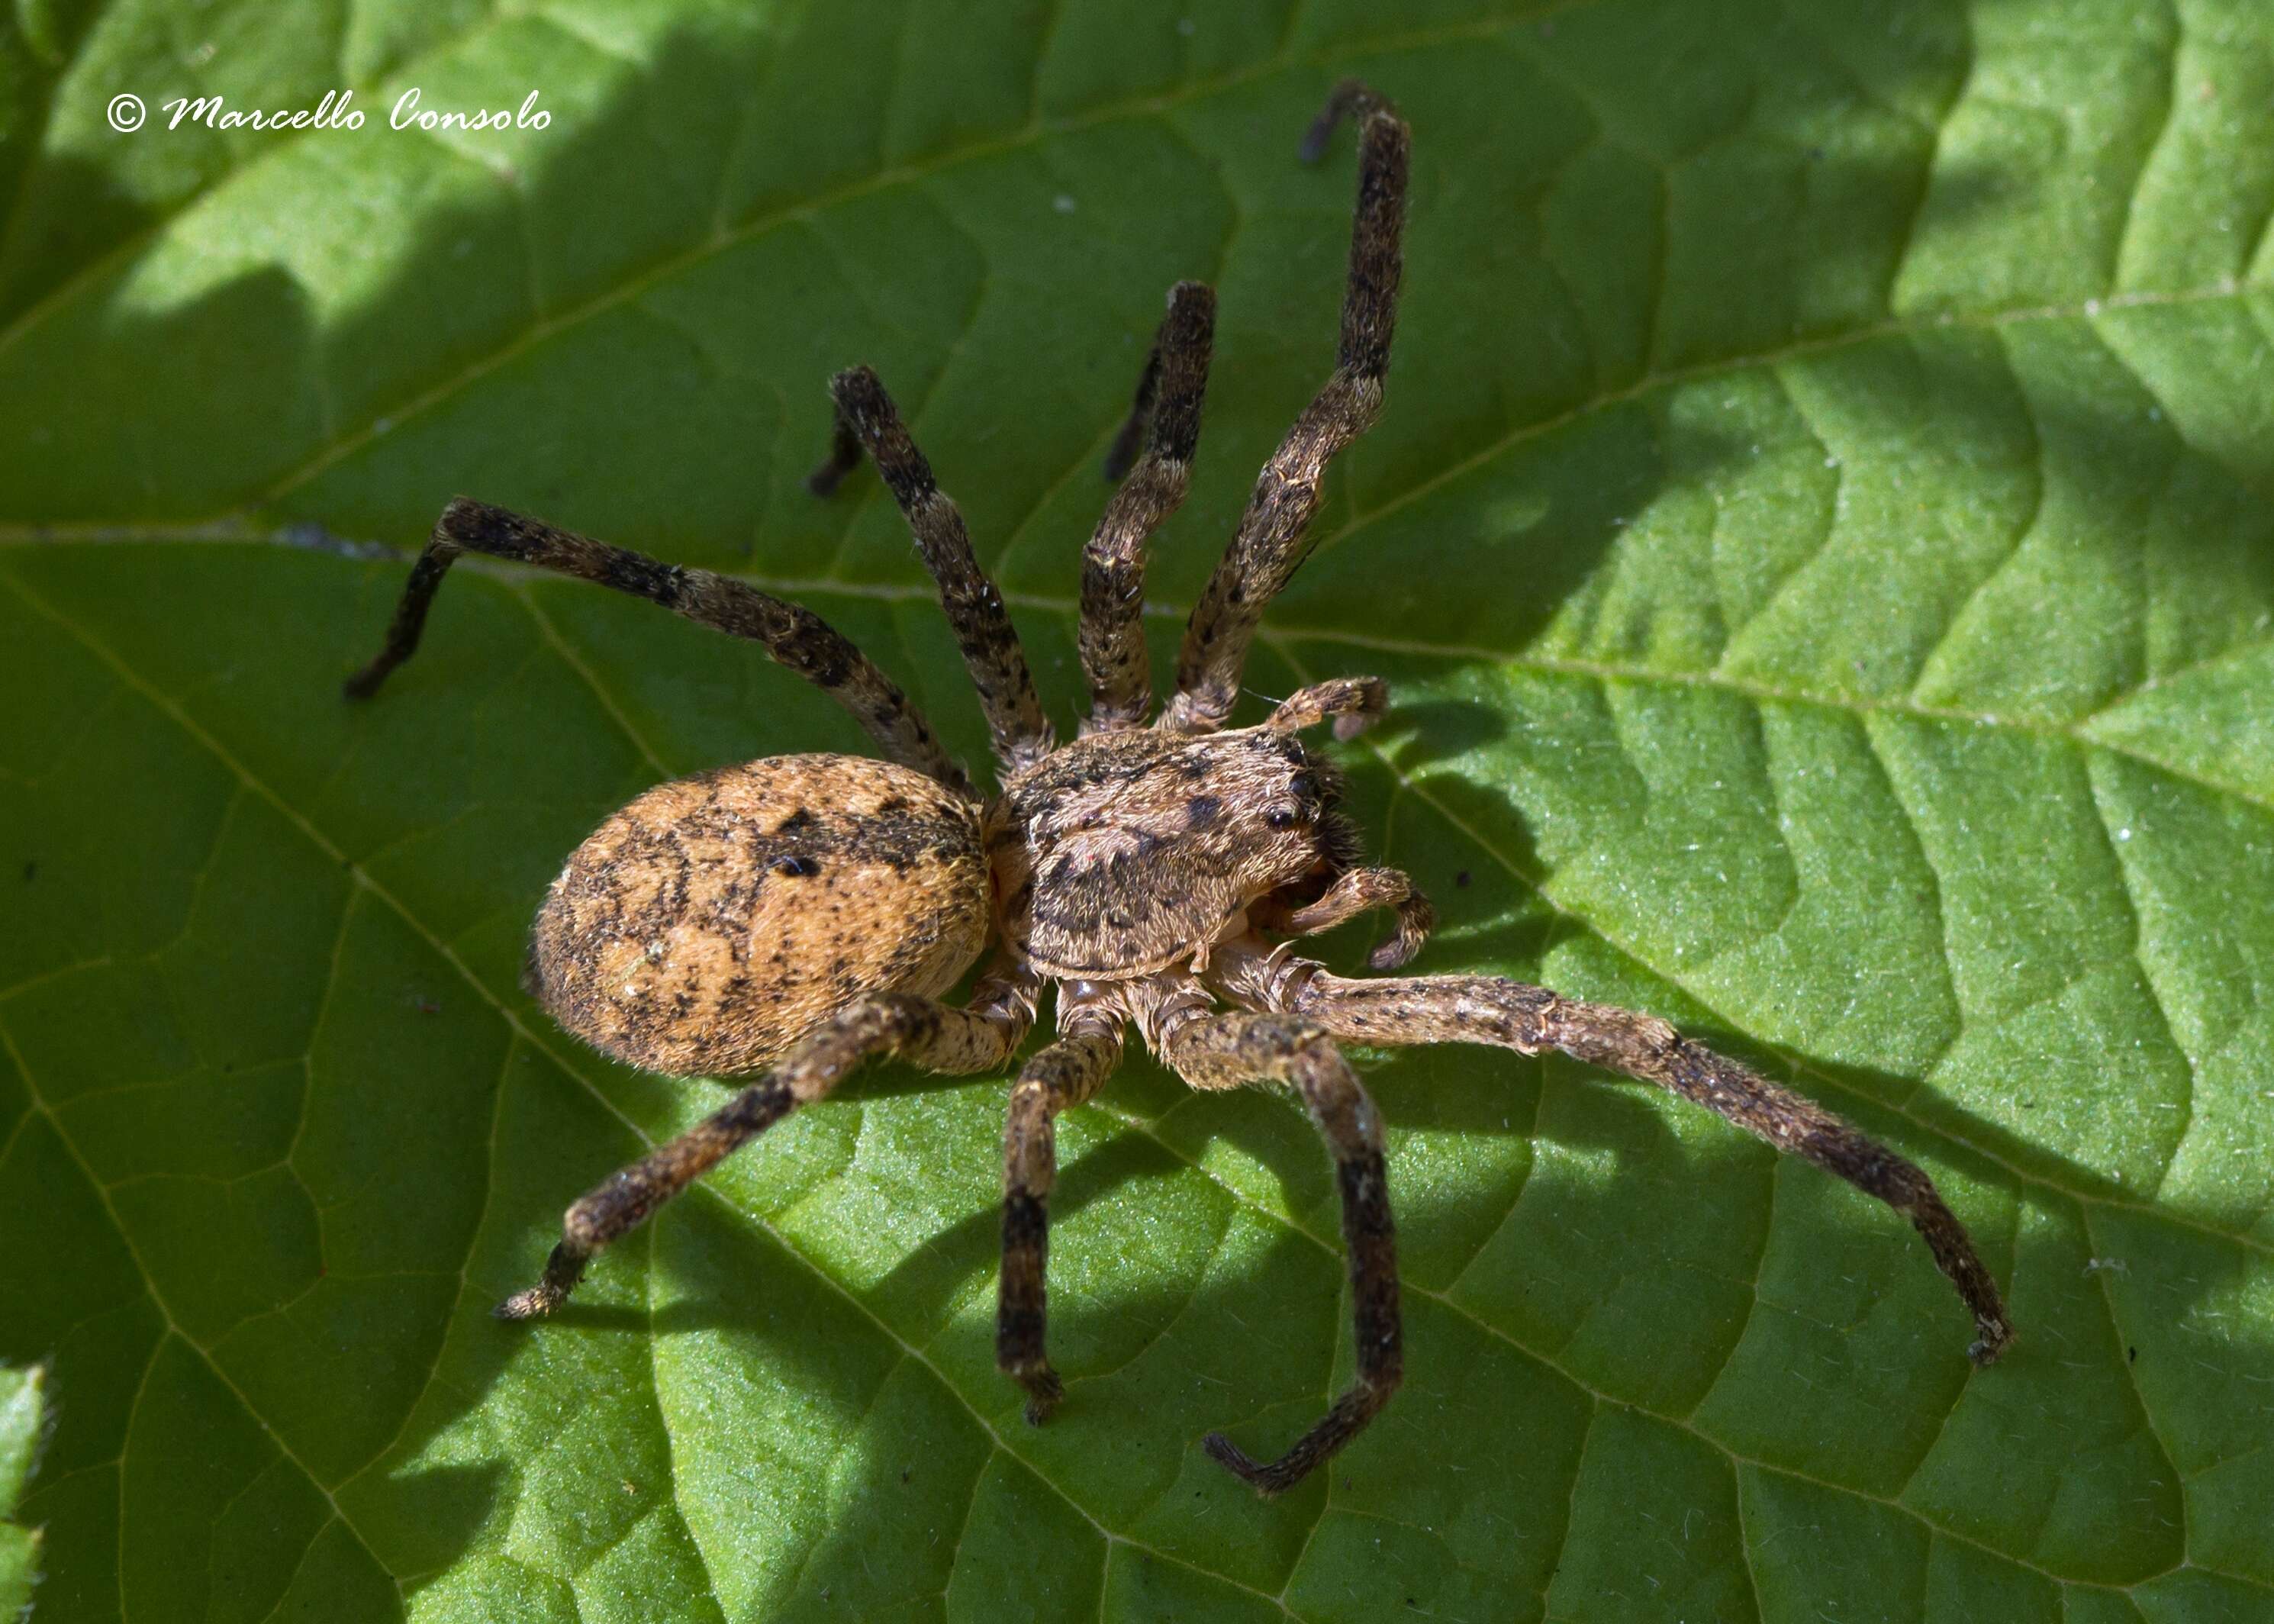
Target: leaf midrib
{"x": 236, "y": 530}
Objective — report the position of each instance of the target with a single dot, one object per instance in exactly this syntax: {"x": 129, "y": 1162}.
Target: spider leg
{"x": 1060, "y": 1078}
{"x": 1356, "y": 703}
{"x": 1222, "y": 1051}
{"x": 1353, "y": 892}
{"x": 1269, "y": 547}
{"x": 793, "y": 635}
{"x": 1165, "y": 422}
{"x": 1483, "y": 1008}
{"x": 868, "y": 420}
{"x": 1129, "y": 438}
{"x": 920, "y": 1031}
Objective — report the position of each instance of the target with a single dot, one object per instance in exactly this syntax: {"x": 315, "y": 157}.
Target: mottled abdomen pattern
{"x": 711, "y": 923}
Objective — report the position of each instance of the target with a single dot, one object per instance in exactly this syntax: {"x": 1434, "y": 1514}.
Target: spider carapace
{"x": 791, "y": 918}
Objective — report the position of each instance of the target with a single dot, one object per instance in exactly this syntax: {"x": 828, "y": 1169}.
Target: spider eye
{"x": 1283, "y": 817}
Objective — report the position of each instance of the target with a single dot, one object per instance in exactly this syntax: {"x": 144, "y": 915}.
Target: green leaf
{"x": 1818, "y": 540}
{"x": 21, "y": 1414}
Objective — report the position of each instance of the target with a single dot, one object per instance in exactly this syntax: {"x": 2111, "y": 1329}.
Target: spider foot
{"x": 1267, "y": 1480}
{"x": 1348, "y": 98}
{"x": 364, "y": 683}
{"x": 1351, "y": 724}
{"x": 563, "y": 1270}
{"x": 1996, "y": 1336}
{"x": 844, "y": 457}
{"x": 1346, "y": 1421}
{"x": 1416, "y": 918}
{"x": 1044, "y": 1393}
{"x": 1393, "y": 954}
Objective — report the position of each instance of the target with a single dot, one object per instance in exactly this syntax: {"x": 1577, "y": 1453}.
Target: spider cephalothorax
{"x": 792, "y": 917}
{"x": 1136, "y": 851}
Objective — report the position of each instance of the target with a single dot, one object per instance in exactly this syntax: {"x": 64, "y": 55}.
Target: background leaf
{"x": 21, "y": 1414}
{"x": 1818, "y": 539}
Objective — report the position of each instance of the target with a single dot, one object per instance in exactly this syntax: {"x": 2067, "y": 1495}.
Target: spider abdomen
{"x": 717, "y": 918}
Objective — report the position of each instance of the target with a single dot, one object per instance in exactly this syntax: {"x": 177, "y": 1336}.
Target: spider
{"x": 791, "y": 918}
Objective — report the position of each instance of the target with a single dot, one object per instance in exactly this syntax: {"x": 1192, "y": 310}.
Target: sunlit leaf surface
{"x": 21, "y": 1414}
{"x": 1819, "y": 541}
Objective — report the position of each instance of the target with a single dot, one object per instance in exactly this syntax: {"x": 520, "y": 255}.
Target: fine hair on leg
{"x": 1270, "y": 544}
{"x": 1225, "y": 1050}
{"x": 1067, "y": 1073}
{"x": 793, "y": 635}
{"x": 1481, "y": 1009}
{"x": 1165, "y": 421}
{"x": 868, "y": 420}
{"x": 920, "y": 1031}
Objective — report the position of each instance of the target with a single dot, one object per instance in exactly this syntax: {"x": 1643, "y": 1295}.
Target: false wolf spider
{"x": 792, "y": 917}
